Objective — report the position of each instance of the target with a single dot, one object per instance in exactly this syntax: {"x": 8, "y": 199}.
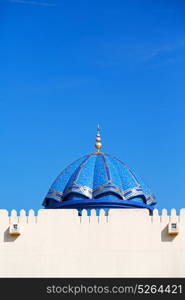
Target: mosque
{"x": 99, "y": 220}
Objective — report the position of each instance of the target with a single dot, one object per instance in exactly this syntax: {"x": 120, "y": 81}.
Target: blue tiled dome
{"x": 98, "y": 180}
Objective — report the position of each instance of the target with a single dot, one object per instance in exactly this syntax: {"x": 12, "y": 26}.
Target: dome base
{"x": 99, "y": 203}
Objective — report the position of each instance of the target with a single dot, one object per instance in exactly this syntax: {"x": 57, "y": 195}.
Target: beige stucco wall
{"x": 59, "y": 243}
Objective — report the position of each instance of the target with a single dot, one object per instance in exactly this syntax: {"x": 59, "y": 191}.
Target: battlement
{"x": 32, "y": 216}
{"x": 124, "y": 243}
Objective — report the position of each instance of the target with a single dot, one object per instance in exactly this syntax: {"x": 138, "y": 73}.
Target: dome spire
{"x": 98, "y": 144}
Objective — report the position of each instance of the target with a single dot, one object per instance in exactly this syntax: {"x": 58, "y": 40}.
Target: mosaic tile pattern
{"x": 99, "y": 178}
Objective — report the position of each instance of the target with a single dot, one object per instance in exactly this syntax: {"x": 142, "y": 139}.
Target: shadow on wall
{"x": 165, "y": 236}
{"x": 9, "y": 238}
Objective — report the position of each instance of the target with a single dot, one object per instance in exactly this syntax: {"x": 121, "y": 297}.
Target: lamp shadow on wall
{"x": 9, "y": 238}
{"x": 165, "y": 236}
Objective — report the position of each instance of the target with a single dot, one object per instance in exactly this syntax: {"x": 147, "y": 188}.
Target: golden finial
{"x": 98, "y": 144}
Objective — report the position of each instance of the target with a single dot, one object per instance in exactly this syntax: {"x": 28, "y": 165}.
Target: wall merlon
{"x": 93, "y": 217}
{"x": 164, "y": 218}
{"x": 13, "y": 216}
{"x": 182, "y": 215}
{"x": 103, "y": 218}
{"x": 173, "y": 215}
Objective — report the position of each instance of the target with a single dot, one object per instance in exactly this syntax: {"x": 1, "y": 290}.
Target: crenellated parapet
{"x": 163, "y": 216}
{"x": 64, "y": 243}
{"x": 21, "y": 216}
{"x": 31, "y": 216}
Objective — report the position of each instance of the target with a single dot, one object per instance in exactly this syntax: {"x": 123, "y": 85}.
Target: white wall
{"x": 59, "y": 243}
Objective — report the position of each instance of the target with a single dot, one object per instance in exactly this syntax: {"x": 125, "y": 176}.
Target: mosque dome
{"x": 98, "y": 180}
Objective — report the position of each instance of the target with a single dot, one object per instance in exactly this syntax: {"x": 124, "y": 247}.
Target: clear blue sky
{"x": 66, "y": 66}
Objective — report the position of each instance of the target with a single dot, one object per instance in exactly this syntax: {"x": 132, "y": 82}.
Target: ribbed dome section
{"x": 98, "y": 180}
